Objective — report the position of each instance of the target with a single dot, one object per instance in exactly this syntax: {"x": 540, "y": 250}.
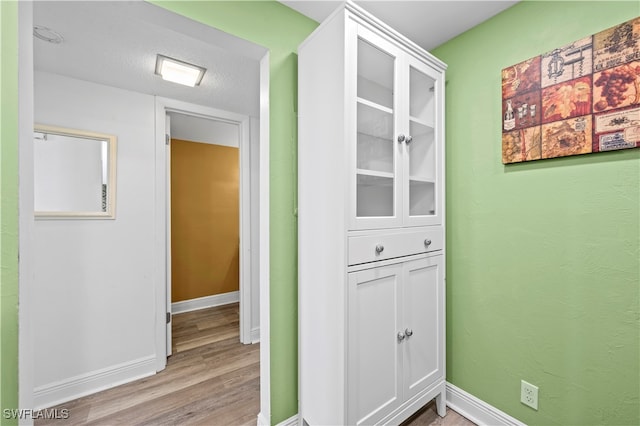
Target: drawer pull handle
{"x": 427, "y": 242}
{"x": 408, "y": 332}
{"x": 401, "y": 137}
{"x": 401, "y": 336}
{"x": 379, "y": 248}
{"x": 408, "y": 140}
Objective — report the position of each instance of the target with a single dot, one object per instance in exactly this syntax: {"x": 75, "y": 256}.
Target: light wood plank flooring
{"x": 211, "y": 379}
{"x": 428, "y": 416}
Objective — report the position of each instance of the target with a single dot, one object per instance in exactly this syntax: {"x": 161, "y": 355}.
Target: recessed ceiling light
{"x": 178, "y": 71}
{"x": 47, "y": 34}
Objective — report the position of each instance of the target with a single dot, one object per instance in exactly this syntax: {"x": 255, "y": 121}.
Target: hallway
{"x": 211, "y": 379}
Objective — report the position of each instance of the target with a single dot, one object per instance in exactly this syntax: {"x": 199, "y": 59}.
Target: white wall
{"x": 196, "y": 129}
{"x": 93, "y": 304}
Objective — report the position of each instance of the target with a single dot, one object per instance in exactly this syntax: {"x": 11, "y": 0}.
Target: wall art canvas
{"x": 580, "y": 98}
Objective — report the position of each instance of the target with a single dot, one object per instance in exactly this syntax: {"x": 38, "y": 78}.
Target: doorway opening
{"x": 182, "y": 120}
{"x": 212, "y": 221}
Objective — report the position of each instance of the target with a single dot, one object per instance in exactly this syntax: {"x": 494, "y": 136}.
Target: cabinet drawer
{"x": 370, "y": 248}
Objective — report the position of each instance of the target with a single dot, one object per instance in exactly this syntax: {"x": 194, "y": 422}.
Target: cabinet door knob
{"x": 427, "y": 242}
{"x": 401, "y": 137}
{"x": 409, "y": 140}
{"x": 379, "y": 248}
{"x": 401, "y": 336}
{"x": 408, "y": 332}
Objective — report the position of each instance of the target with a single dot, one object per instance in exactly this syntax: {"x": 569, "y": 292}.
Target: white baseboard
{"x": 205, "y": 302}
{"x": 461, "y": 402}
{"x": 255, "y": 335}
{"x": 262, "y": 420}
{"x": 66, "y": 390}
{"x": 291, "y": 421}
{"x": 477, "y": 410}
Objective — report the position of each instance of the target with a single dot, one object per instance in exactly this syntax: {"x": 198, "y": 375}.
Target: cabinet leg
{"x": 441, "y": 404}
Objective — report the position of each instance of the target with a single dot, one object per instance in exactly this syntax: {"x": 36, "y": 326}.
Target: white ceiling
{"x": 428, "y": 23}
{"x": 115, "y": 43}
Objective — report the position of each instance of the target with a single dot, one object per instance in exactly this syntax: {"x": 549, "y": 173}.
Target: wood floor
{"x": 211, "y": 379}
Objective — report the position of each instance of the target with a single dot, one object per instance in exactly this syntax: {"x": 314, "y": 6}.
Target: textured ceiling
{"x": 115, "y": 43}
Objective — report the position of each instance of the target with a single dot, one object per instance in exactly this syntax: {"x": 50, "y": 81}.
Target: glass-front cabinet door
{"x": 421, "y": 164}
{"x": 396, "y": 154}
{"x": 377, "y": 186}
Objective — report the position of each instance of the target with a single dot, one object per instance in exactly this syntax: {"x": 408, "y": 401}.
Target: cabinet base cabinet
{"x": 395, "y": 333}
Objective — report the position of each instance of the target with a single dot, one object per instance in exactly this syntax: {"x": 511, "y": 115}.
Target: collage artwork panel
{"x": 580, "y": 98}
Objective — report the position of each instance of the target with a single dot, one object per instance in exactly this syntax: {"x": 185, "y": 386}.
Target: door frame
{"x": 164, "y": 106}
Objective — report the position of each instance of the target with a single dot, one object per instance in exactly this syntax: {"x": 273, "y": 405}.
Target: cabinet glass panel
{"x": 375, "y": 146}
{"x": 375, "y": 153}
{"x": 421, "y": 150}
{"x": 421, "y": 198}
{"x": 421, "y": 96}
{"x": 375, "y": 74}
{"x": 374, "y": 196}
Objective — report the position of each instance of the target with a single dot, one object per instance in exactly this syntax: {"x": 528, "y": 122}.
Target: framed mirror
{"x": 74, "y": 174}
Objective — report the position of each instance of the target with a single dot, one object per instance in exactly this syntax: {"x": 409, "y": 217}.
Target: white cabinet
{"x": 370, "y": 224}
{"x": 395, "y": 331}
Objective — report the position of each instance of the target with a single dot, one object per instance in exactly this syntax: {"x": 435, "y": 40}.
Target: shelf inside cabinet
{"x": 375, "y": 120}
{"x": 421, "y": 179}
{"x": 366, "y": 177}
{"x": 374, "y": 92}
{"x": 375, "y": 105}
{"x": 426, "y": 125}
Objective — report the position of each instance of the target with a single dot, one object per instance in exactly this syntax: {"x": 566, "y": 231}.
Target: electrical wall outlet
{"x": 529, "y": 394}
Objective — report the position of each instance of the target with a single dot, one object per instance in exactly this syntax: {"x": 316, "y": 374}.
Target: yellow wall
{"x": 204, "y": 220}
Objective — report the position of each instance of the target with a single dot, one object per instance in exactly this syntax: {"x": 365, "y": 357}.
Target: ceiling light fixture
{"x": 178, "y": 71}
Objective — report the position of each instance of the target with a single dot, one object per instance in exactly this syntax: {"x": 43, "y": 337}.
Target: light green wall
{"x": 543, "y": 258}
{"x": 8, "y": 208}
{"x": 281, "y": 30}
